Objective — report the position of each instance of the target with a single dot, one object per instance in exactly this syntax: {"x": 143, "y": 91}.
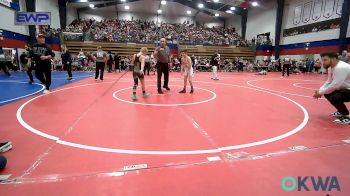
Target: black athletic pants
{"x": 117, "y": 67}
{"x": 29, "y": 72}
{"x": 3, "y": 66}
{"x": 110, "y": 67}
{"x": 162, "y": 68}
{"x": 338, "y": 99}
{"x": 68, "y": 68}
{"x": 43, "y": 73}
{"x": 147, "y": 68}
{"x": 284, "y": 69}
{"x": 99, "y": 66}
{"x": 240, "y": 67}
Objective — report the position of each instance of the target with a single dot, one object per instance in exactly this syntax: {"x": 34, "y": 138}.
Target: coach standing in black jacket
{"x": 67, "y": 61}
{"x": 42, "y": 54}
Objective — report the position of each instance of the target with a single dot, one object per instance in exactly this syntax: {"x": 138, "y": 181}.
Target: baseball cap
{"x": 41, "y": 35}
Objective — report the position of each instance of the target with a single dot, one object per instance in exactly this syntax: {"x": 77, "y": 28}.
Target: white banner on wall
{"x": 317, "y": 10}
{"x": 339, "y": 6}
{"x": 304, "y": 12}
{"x": 328, "y": 8}
{"x": 6, "y": 2}
{"x": 297, "y": 14}
{"x": 307, "y": 12}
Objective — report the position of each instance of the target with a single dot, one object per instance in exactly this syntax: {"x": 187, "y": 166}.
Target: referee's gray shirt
{"x": 163, "y": 56}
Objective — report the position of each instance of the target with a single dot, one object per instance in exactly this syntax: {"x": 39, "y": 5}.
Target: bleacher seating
{"x": 125, "y": 49}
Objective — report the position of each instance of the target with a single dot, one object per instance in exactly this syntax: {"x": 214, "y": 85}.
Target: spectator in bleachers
{"x": 112, "y": 30}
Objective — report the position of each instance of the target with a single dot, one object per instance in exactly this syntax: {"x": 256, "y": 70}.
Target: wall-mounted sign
{"x": 33, "y": 18}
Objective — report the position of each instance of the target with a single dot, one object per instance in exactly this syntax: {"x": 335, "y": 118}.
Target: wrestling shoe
{"x": 6, "y": 146}
{"x": 144, "y": 95}
{"x": 183, "y": 91}
{"x": 344, "y": 120}
{"x": 133, "y": 97}
{"x": 336, "y": 114}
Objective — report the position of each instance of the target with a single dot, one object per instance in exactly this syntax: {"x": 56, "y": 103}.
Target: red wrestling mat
{"x": 222, "y": 140}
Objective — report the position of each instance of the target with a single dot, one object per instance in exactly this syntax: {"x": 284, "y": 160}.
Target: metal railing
{"x": 154, "y": 39}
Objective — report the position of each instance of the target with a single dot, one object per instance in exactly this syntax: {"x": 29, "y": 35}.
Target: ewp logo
{"x": 33, "y": 18}
{"x": 318, "y": 184}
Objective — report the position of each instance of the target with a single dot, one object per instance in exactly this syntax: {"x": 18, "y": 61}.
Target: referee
{"x": 162, "y": 54}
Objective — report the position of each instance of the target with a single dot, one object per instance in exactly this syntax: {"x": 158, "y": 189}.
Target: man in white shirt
{"x": 337, "y": 88}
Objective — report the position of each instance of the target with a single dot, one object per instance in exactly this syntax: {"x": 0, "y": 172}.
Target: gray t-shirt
{"x": 100, "y": 56}
{"x": 163, "y": 56}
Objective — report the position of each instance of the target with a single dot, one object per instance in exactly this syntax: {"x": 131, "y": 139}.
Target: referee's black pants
{"x": 162, "y": 68}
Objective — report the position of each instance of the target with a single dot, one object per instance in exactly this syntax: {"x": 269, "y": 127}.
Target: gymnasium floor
{"x": 241, "y": 135}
